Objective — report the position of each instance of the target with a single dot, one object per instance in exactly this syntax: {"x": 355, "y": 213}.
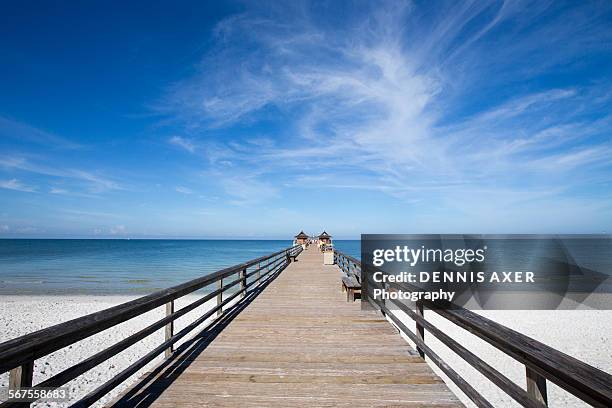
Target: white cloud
{"x": 92, "y": 182}
{"x": 246, "y": 189}
{"x": 405, "y": 105}
{"x": 14, "y": 184}
{"x": 98, "y": 184}
{"x": 183, "y": 190}
{"x": 183, "y": 143}
{"x": 24, "y": 132}
{"x": 441, "y": 109}
{"x": 84, "y": 214}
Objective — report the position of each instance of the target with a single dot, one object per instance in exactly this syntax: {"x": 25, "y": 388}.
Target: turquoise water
{"x": 349, "y": 247}
{"x": 90, "y": 266}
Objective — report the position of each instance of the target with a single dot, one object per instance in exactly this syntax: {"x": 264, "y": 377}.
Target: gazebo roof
{"x": 302, "y": 235}
{"x": 324, "y": 235}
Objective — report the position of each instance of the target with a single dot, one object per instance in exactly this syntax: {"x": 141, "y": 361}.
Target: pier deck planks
{"x": 298, "y": 343}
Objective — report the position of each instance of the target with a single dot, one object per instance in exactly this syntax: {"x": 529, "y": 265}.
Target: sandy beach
{"x": 585, "y": 334}
{"x": 24, "y": 314}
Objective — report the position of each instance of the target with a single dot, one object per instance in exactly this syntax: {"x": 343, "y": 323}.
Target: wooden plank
{"x": 304, "y": 395}
{"x": 536, "y": 386}
{"x": 220, "y": 297}
{"x": 298, "y": 343}
{"x": 122, "y": 376}
{"x": 243, "y": 282}
{"x": 503, "y": 382}
{"x": 584, "y": 381}
{"x": 169, "y": 329}
{"x": 420, "y": 330}
{"x": 74, "y": 371}
{"x": 16, "y": 352}
{"x": 21, "y": 377}
{"x": 588, "y": 383}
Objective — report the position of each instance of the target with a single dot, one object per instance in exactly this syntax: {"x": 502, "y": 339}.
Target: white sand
{"x": 583, "y": 334}
{"x": 20, "y": 315}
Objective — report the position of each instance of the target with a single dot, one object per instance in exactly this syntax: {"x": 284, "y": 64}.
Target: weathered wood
{"x": 103, "y": 389}
{"x": 497, "y": 378}
{"x": 351, "y": 276}
{"x": 351, "y": 287}
{"x": 345, "y": 262}
{"x": 26, "y": 348}
{"x": 463, "y": 385}
{"x": 19, "y": 374}
{"x": 85, "y": 365}
{"x": 243, "y": 282}
{"x": 536, "y": 386}
{"x": 21, "y": 377}
{"x": 420, "y": 330}
{"x": 220, "y": 297}
{"x": 584, "y": 381}
{"x": 284, "y": 331}
{"x": 169, "y": 329}
{"x": 271, "y": 264}
{"x": 304, "y": 347}
{"x": 350, "y": 282}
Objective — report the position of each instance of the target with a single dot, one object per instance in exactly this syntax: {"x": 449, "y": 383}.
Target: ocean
{"x": 121, "y": 266}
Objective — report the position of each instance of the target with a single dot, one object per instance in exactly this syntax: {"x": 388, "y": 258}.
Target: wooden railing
{"x": 348, "y": 265}
{"x": 541, "y": 362}
{"x": 18, "y": 355}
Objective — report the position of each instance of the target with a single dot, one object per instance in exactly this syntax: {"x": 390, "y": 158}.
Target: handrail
{"x": 542, "y": 362}
{"x": 344, "y": 262}
{"x": 19, "y": 354}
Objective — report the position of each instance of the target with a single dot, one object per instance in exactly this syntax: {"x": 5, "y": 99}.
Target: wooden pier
{"x": 298, "y": 343}
{"x": 281, "y": 333}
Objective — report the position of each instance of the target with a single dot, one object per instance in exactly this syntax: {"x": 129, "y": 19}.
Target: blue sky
{"x": 259, "y": 119}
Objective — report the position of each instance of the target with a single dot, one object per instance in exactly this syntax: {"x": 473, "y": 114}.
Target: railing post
{"x": 420, "y": 330}
{"x": 258, "y": 274}
{"x": 220, "y": 297}
{"x": 536, "y": 386}
{"x": 169, "y": 329}
{"x": 382, "y": 300}
{"x": 243, "y": 282}
{"x": 21, "y": 377}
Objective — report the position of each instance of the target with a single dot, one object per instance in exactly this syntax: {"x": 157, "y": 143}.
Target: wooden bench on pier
{"x": 351, "y": 287}
{"x": 350, "y": 276}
